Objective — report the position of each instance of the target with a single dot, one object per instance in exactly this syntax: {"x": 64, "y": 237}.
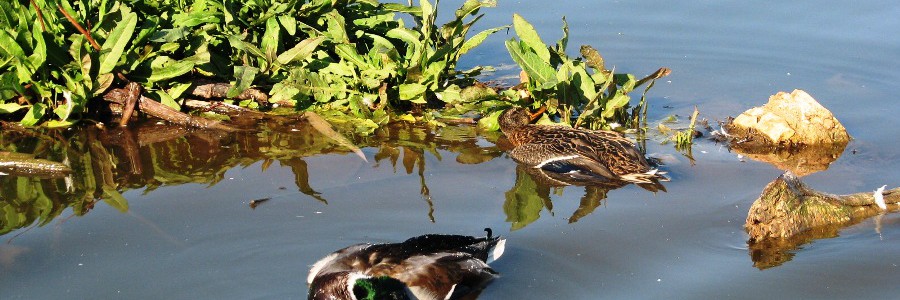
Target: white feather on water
{"x": 879, "y": 197}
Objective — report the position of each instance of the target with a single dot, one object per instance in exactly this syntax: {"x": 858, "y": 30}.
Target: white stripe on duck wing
{"x": 429, "y": 267}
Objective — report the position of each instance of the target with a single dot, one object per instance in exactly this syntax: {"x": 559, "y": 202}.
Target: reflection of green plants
{"x": 582, "y": 92}
{"x": 525, "y": 201}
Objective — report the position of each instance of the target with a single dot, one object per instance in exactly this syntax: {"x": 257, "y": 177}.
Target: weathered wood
{"x": 133, "y": 94}
{"x": 787, "y": 207}
{"x": 220, "y": 90}
{"x": 159, "y": 110}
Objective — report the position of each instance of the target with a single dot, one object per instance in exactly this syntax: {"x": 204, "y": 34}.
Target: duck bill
{"x": 537, "y": 114}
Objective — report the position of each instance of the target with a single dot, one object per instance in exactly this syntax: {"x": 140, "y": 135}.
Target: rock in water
{"x": 789, "y": 120}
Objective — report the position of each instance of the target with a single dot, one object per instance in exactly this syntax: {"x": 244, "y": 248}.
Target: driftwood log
{"x": 159, "y": 110}
{"x": 787, "y": 207}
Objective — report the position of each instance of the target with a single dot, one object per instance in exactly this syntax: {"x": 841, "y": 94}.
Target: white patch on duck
{"x": 325, "y": 261}
{"x": 450, "y": 293}
{"x": 314, "y": 270}
{"x": 555, "y": 159}
{"x": 497, "y": 251}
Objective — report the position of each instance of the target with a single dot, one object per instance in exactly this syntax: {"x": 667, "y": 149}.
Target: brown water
{"x": 183, "y": 227}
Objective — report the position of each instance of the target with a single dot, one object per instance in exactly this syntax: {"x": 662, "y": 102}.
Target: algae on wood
{"x": 788, "y": 207}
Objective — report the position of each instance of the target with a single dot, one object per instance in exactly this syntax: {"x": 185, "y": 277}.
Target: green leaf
{"x": 530, "y": 37}
{"x": 104, "y": 81}
{"x": 451, "y": 94}
{"x": 538, "y": 70}
{"x": 412, "y": 92}
{"x": 10, "y": 47}
{"x": 289, "y": 24}
{"x": 301, "y": 51}
{"x": 489, "y": 122}
{"x": 245, "y": 76}
{"x": 168, "y": 100}
{"x": 114, "y": 198}
{"x": 397, "y": 7}
{"x": 271, "y": 36}
{"x": 477, "y": 39}
{"x": 171, "y": 70}
{"x": 236, "y": 42}
{"x": 39, "y": 55}
{"x": 6, "y": 108}
{"x": 116, "y": 41}
{"x": 617, "y": 101}
{"x": 626, "y": 81}
{"x": 34, "y": 115}
{"x": 348, "y": 52}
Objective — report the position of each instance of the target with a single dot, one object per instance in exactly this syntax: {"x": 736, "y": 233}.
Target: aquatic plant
{"x": 58, "y": 58}
{"x": 579, "y": 91}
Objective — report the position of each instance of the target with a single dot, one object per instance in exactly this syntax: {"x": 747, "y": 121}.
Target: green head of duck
{"x": 377, "y": 288}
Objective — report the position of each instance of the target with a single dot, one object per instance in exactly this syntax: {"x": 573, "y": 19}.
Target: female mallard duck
{"x": 432, "y": 266}
{"x": 567, "y": 150}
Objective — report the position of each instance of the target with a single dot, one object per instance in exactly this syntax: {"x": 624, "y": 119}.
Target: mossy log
{"x": 787, "y": 207}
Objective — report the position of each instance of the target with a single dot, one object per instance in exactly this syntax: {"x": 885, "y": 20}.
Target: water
{"x": 189, "y": 231}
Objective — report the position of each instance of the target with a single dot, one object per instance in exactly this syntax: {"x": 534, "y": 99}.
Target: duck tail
{"x": 496, "y": 251}
{"x": 646, "y": 177}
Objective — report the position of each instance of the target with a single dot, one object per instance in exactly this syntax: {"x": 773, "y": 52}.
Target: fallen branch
{"x": 788, "y": 207}
{"x": 159, "y": 110}
{"x": 220, "y": 90}
{"x": 79, "y": 28}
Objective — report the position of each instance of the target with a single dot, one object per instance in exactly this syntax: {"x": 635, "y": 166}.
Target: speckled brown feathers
{"x": 429, "y": 266}
{"x": 603, "y": 153}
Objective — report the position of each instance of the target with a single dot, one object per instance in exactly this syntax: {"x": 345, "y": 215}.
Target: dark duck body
{"x": 581, "y": 152}
{"x": 431, "y": 266}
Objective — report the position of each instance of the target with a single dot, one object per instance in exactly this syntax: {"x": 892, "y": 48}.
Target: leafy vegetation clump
{"x": 353, "y": 57}
{"x": 356, "y": 62}
{"x": 580, "y": 91}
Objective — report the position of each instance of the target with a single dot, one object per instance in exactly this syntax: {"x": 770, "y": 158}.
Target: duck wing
{"x": 562, "y": 149}
{"x": 445, "y": 275}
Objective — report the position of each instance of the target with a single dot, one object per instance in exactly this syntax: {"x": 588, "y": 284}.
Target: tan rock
{"x": 788, "y": 120}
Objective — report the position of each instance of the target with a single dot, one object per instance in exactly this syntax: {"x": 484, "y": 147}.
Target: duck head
{"x": 518, "y": 117}
{"x": 513, "y": 118}
{"x": 357, "y": 286}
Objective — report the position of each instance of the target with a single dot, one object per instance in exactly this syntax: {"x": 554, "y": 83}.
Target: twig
{"x": 80, "y": 29}
{"x": 40, "y": 15}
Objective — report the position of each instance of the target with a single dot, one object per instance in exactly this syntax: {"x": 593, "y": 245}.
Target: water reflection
{"x": 531, "y": 194}
{"x": 108, "y": 162}
{"x": 800, "y": 161}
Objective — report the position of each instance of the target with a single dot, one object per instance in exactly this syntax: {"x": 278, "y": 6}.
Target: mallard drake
{"x": 432, "y": 266}
{"x": 563, "y": 149}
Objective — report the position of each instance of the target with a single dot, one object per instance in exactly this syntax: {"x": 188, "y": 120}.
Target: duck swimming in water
{"x": 563, "y": 149}
{"x": 432, "y": 266}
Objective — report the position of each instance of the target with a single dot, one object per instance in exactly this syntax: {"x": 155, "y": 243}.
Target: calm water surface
{"x": 188, "y": 231}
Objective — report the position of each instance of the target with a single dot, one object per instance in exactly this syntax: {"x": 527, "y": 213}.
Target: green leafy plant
{"x": 354, "y": 58}
{"x": 581, "y": 91}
